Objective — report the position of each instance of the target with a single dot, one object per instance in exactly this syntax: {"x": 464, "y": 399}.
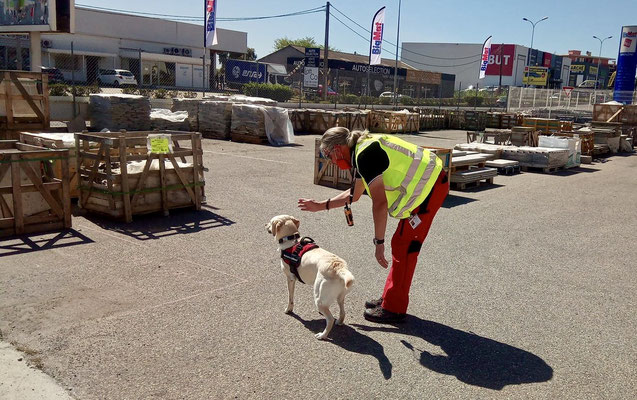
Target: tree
{"x": 307, "y": 41}
{"x": 251, "y": 54}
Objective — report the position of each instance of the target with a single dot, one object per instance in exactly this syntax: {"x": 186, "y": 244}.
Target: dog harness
{"x": 292, "y": 255}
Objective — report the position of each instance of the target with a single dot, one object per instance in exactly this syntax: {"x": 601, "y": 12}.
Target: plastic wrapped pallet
{"x": 163, "y": 119}
{"x": 259, "y": 124}
{"x": 573, "y": 145}
{"x": 539, "y": 157}
{"x": 119, "y": 111}
{"x": 214, "y": 119}
{"x": 192, "y": 107}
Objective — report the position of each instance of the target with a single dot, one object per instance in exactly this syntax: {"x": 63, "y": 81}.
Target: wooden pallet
{"x": 546, "y": 170}
{"x": 123, "y": 194}
{"x": 39, "y": 202}
{"x": 241, "y": 138}
{"x": 477, "y": 183}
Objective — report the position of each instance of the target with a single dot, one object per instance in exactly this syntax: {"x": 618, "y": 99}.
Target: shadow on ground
{"x": 41, "y": 241}
{"x": 150, "y": 227}
{"x": 472, "y": 359}
{"x": 454, "y": 201}
{"x": 351, "y": 340}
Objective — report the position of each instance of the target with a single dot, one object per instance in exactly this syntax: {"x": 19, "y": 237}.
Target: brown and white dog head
{"x": 282, "y": 226}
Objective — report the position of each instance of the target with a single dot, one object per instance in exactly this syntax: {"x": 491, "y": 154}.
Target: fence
{"x": 577, "y": 100}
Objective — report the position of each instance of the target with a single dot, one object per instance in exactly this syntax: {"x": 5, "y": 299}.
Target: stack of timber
{"x": 504, "y": 167}
{"x": 248, "y": 124}
{"x": 215, "y": 119}
{"x": 119, "y": 111}
{"x": 56, "y": 141}
{"x": 475, "y": 120}
{"x": 624, "y": 114}
{"x": 120, "y": 176}
{"x": 32, "y": 200}
{"x": 163, "y": 119}
{"x": 192, "y": 107}
{"x": 393, "y": 121}
{"x": 546, "y": 125}
{"x": 24, "y": 103}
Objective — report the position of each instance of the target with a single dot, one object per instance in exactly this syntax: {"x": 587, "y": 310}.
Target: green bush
{"x": 59, "y": 89}
{"x": 348, "y": 99}
{"x": 164, "y": 94}
{"x": 474, "y": 101}
{"x": 277, "y": 92}
{"x": 85, "y": 91}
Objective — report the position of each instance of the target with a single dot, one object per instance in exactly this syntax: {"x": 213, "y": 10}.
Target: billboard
{"x": 245, "y": 71}
{"x": 37, "y": 16}
{"x": 626, "y": 65}
{"x": 536, "y": 76}
{"x": 501, "y": 55}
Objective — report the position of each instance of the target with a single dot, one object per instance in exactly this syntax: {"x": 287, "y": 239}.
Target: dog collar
{"x": 291, "y": 237}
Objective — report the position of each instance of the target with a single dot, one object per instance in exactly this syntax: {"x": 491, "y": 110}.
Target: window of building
{"x": 158, "y": 73}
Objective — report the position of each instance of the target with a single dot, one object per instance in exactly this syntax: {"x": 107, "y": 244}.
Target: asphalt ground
{"x": 524, "y": 289}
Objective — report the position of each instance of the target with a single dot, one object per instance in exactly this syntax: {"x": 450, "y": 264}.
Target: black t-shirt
{"x": 372, "y": 162}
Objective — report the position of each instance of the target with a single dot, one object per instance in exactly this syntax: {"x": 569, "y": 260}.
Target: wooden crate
{"x": 524, "y": 136}
{"x": 109, "y": 185}
{"x": 328, "y": 174}
{"x": 24, "y": 103}
{"x": 47, "y": 141}
{"x": 39, "y": 202}
{"x": 475, "y": 120}
{"x": 393, "y": 122}
{"x": 546, "y": 125}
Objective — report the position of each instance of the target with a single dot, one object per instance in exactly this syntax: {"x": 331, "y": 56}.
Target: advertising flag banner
{"x": 626, "y": 65}
{"x": 376, "y": 41}
{"x": 211, "y": 23}
{"x": 484, "y": 61}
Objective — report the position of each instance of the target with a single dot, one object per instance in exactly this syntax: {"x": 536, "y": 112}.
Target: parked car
{"x": 391, "y": 95}
{"x": 587, "y": 84}
{"x": 116, "y": 77}
{"x": 55, "y": 75}
{"x": 330, "y": 91}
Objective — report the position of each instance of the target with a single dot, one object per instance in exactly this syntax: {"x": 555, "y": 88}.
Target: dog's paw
{"x": 288, "y": 310}
{"x": 321, "y": 336}
{"x": 340, "y": 322}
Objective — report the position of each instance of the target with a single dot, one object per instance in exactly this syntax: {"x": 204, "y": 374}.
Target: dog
{"x": 332, "y": 280}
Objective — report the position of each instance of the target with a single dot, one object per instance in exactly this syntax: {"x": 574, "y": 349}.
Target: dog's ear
{"x": 296, "y": 222}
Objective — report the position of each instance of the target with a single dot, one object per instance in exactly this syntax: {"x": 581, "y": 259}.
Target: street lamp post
{"x": 599, "y": 59}
{"x": 528, "y": 61}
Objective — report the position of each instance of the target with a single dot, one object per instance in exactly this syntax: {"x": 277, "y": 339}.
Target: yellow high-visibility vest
{"x": 411, "y": 174}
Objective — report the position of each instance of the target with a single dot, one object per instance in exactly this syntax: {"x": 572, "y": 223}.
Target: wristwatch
{"x": 379, "y": 241}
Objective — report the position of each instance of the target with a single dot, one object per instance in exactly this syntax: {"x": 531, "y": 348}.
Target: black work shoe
{"x": 373, "y": 303}
{"x": 380, "y": 315}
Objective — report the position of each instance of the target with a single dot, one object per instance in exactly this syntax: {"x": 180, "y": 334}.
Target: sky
{"x": 571, "y": 24}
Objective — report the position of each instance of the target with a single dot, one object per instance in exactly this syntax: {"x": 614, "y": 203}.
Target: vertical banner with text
{"x": 376, "y": 41}
{"x": 211, "y": 23}
{"x": 626, "y": 65}
{"x": 484, "y": 60}
{"x": 311, "y": 70}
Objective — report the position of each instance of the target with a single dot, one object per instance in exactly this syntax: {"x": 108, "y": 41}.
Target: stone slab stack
{"x": 119, "y": 111}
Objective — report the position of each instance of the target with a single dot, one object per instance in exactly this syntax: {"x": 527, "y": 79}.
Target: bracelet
{"x": 327, "y": 204}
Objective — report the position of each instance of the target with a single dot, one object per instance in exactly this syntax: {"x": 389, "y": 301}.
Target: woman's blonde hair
{"x": 339, "y": 135}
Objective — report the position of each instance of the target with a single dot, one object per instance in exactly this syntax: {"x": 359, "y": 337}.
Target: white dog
{"x": 332, "y": 280}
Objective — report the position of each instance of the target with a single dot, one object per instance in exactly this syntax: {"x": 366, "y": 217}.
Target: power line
{"x": 196, "y": 18}
{"x": 402, "y": 48}
{"x": 404, "y": 58}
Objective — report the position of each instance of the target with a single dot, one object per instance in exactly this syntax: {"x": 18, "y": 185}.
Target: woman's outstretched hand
{"x": 310, "y": 205}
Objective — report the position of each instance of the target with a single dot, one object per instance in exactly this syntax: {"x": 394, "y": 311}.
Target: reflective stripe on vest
{"x": 414, "y": 187}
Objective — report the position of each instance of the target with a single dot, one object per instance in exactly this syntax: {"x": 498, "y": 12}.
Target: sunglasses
{"x": 327, "y": 152}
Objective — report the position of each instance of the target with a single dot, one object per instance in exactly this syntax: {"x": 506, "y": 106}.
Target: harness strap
{"x": 293, "y": 255}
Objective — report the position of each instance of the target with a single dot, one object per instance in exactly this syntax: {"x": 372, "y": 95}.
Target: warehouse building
{"x": 586, "y": 67}
{"x": 348, "y": 74}
{"x": 506, "y": 67}
{"x": 160, "y": 53}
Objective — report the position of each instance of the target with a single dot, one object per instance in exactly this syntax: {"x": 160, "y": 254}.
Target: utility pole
{"x": 326, "y": 50}
{"x": 396, "y": 66}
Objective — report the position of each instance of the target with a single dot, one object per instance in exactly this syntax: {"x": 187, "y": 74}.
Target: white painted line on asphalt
{"x": 251, "y": 158}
